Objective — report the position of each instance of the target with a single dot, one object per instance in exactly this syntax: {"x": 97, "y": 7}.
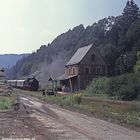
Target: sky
{"x": 25, "y": 25}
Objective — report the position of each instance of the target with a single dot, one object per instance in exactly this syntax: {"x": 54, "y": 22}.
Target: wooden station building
{"x": 84, "y": 66}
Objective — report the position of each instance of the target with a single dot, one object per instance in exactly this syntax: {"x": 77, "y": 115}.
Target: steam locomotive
{"x": 31, "y": 84}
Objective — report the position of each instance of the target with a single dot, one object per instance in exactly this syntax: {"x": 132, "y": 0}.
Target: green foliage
{"x": 5, "y": 103}
{"x": 133, "y": 33}
{"x": 97, "y": 86}
{"x": 110, "y": 52}
{"x": 130, "y": 12}
{"x": 137, "y": 66}
{"x": 69, "y": 100}
{"x": 124, "y": 87}
{"x": 123, "y": 112}
{"x": 77, "y": 98}
{"x": 138, "y": 55}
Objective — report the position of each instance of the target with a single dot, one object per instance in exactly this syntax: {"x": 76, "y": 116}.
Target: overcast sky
{"x": 27, "y": 24}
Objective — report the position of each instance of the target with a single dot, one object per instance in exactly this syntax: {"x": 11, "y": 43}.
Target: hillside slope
{"x": 118, "y": 38}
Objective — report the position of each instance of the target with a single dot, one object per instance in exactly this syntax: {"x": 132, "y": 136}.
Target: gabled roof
{"x": 65, "y": 77}
{"x": 79, "y": 55}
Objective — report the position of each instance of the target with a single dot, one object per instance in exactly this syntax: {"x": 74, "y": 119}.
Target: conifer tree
{"x": 130, "y": 13}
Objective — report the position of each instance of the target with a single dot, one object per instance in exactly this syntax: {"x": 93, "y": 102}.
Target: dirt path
{"x": 71, "y": 125}
{"x": 18, "y": 125}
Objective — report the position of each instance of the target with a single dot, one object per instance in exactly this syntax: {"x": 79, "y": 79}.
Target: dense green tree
{"x": 133, "y": 34}
{"x": 131, "y": 12}
{"x": 137, "y": 66}
{"x": 129, "y": 16}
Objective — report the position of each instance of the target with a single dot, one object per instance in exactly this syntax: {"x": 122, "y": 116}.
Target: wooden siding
{"x": 91, "y": 66}
{"x": 71, "y": 70}
{"x": 88, "y": 62}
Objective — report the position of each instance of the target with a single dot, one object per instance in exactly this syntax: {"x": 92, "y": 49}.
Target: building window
{"x": 87, "y": 70}
{"x": 93, "y": 58}
{"x": 69, "y": 71}
{"x": 98, "y": 70}
{"x": 73, "y": 71}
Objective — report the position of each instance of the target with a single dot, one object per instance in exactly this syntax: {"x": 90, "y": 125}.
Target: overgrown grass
{"x": 6, "y": 102}
{"x": 127, "y": 113}
{"x": 62, "y": 101}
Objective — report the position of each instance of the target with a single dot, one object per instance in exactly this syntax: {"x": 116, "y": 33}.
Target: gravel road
{"x": 70, "y": 125}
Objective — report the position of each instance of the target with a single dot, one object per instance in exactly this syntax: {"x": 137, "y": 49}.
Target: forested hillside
{"x": 118, "y": 38}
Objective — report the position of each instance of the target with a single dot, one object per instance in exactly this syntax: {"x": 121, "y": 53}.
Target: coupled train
{"x": 28, "y": 84}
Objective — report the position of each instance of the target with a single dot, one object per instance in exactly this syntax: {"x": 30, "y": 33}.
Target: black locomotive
{"x": 31, "y": 84}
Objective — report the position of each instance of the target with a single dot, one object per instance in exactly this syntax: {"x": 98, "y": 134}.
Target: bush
{"x": 77, "y": 98}
{"x": 5, "y": 103}
{"x": 137, "y": 66}
{"x": 97, "y": 86}
{"x": 69, "y": 100}
{"x": 124, "y": 87}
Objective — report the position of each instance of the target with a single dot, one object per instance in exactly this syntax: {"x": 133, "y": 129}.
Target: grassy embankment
{"x": 7, "y": 101}
{"x": 123, "y": 112}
